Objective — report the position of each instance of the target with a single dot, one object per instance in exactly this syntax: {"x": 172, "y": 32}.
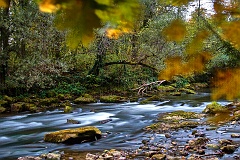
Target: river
{"x": 22, "y": 134}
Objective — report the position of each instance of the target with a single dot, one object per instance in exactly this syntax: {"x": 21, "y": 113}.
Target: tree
{"x": 119, "y": 17}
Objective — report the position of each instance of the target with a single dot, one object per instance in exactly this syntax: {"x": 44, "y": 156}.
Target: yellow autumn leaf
{"x": 175, "y": 66}
{"x": 197, "y": 43}
{"x": 48, "y": 6}
{"x": 231, "y": 32}
{"x": 227, "y": 84}
{"x": 175, "y": 31}
{"x": 3, "y": 3}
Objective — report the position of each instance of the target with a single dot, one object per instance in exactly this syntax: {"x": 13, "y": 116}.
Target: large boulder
{"x": 214, "y": 108}
{"x": 86, "y": 98}
{"x": 74, "y": 136}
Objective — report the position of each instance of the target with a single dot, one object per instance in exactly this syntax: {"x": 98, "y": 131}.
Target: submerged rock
{"x": 74, "y": 136}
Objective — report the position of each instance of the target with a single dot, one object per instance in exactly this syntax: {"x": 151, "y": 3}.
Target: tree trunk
{"x": 4, "y": 44}
{"x": 103, "y": 43}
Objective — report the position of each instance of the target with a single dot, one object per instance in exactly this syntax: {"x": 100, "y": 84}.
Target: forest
{"x": 43, "y": 49}
{"x": 111, "y": 79}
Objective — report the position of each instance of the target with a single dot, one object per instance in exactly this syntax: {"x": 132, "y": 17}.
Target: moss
{"x": 2, "y": 109}
{"x": 30, "y": 107}
{"x": 8, "y": 99}
{"x": 22, "y": 106}
{"x": 76, "y": 135}
{"x": 179, "y": 115}
{"x": 48, "y": 101}
{"x": 111, "y": 99}
{"x": 175, "y": 93}
{"x": 166, "y": 88}
{"x": 17, "y": 107}
{"x": 188, "y": 91}
{"x": 68, "y": 109}
{"x": 214, "y": 108}
{"x": 86, "y": 98}
{"x": 3, "y": 102}
{"x": 165, "y": 127}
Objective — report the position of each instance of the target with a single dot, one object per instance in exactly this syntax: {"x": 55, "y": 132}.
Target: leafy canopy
{"x": 80, "y": 17}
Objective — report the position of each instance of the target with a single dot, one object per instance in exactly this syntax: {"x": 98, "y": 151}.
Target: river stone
{"x": 159, "y": 156}
{"x": 235, "y": 135}
{"x": 74, "y": 136}
{"x": 229, "y": 149}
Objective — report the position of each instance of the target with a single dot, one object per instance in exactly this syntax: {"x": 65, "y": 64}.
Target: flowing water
{"x": 22, "y": 134}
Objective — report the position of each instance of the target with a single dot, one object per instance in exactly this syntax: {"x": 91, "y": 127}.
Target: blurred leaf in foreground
{"x": 227, "y": 84}
{"x": 175, "y": 66}
{"x": 175, "y": 31}
{"x": 4, "y": 3}
{"x": 81, "y": 17}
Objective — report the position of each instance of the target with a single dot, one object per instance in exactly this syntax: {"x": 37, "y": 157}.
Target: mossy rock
{"x": 8, "y": 99}
{"x": 180, "y": 115}
{"x": 111, "y": 99}
{"x": 163, "y": 127}
{"x": 188, "y": 91}
{"x": 86, "y": 98}
{"x": 3, "y": 103}
{"x": 22, "y": 106}
{"x": 48, "y": 101}
{"x": 214, "y": 108}
{"x": 2, "y": 109}
{"x": 30, "y": 107}
{"x": 148, "y": 100}
{"x": 167, "y": 88}
{"x": 17, "y": 107}
{"x": 175, "y": 93}
{"x": 64, "y": 96}
{"x": 74, "y": 136}
{"x": 68, "y": 109}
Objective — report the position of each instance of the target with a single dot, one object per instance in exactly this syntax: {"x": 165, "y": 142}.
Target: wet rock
{"x": 17, "y": 107}
{"x": 29, "y": 158}
{"x": 2, "y": 109}
{"x": 213, "y": 146}
{"x": 229, "y": 149}
{"x": 175, "y": 93}
{"x": 68, "y": 109}
{"x": 86, "y": 98}
{"x": 105, "y": 121}
{"x": 74, "y": 136}
{"x": 187, "y": 91}
{"x": 211, "y": 128}
{"x": 180, "y": 115}
{"x": 158, "y": 157}
{"x": 224, "y": 142}
{"x": 72, "y": 121}
{"x": 48, "y": 101}
{"x": 235, "y": 135}
{"x": 112, "y": 99}
{"x": 167, "y": 135}
{"x": 90, "y": 156}
{"x": 51, "y": 156}
{"x": 214, "y": 108}
{"x": 201, "y": 151}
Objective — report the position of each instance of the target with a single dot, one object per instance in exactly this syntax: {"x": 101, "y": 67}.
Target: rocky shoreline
{"x": 184, "y": 135}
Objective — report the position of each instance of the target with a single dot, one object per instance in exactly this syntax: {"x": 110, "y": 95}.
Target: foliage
{"x": 155, "y": 36}
{"x": 119, "y": 15}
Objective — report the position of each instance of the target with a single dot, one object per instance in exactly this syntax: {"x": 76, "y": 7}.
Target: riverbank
{"x": 198, "y": 136}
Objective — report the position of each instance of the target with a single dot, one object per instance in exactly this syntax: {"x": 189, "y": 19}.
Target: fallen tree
{"x": 148, "y": 86}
